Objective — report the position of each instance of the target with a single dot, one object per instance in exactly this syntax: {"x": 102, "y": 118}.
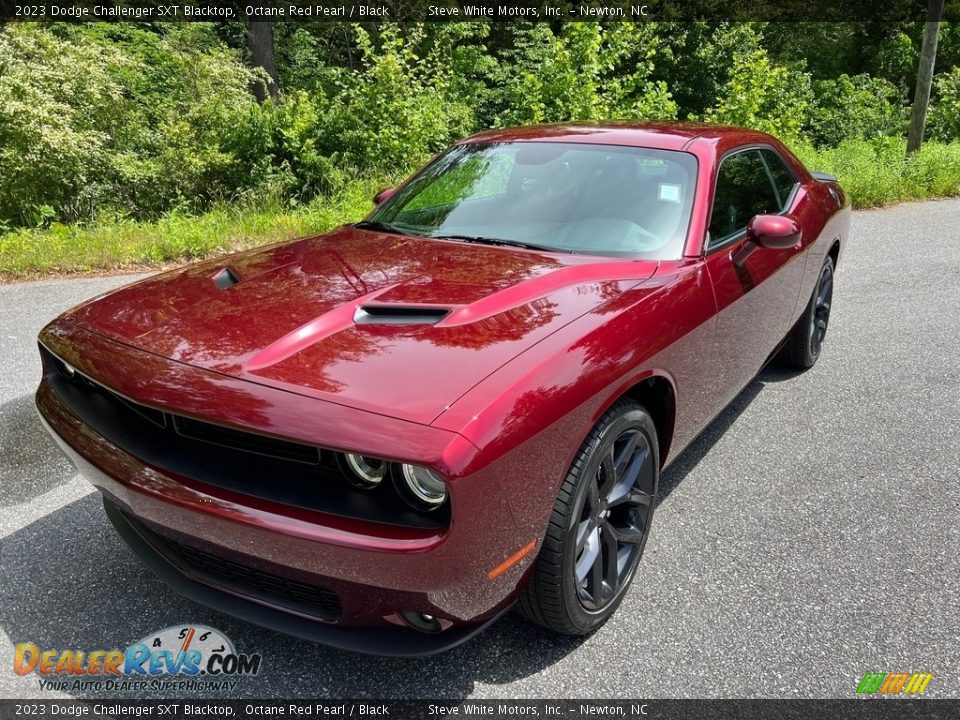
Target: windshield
{"x": 565, "y": 197}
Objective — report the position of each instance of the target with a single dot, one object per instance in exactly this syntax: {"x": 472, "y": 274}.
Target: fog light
{"x": 421, "y": 621}
{"x": 364, "y": 472}
{"x": 426, "y": 488}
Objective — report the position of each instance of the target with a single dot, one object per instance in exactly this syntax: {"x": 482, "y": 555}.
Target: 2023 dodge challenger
{"x": 383, "y": 437}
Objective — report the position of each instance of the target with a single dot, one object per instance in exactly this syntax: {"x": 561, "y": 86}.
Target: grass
{"x": 877, "y": 173}
{"x": 874, "y": 173}
{"x": 121, "y": 243}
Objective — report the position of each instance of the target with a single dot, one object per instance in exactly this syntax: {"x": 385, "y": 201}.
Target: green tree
{"x": 763, "y": 96}
{"x": 858, "y": 107}
{"x": 944, "y": 117}
{"x": 588, "y": 71}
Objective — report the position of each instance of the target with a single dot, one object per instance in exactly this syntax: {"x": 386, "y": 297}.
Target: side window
{"x": 783, "y": 179}
{"x": 743, "y": 190}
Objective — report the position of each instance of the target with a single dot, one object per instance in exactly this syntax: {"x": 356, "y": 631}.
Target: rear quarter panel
{"x": 835, "y": 211}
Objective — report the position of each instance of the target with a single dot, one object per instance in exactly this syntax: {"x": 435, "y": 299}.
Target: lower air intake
{"x": 251, "y": 582}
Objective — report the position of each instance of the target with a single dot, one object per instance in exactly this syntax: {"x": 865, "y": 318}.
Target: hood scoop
{"x": 339, "y": 319}
{"x": 399, "y": 315}
{"x": 224, "y": 279}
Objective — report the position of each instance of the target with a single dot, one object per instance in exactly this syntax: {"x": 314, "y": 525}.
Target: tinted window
{"x": 743, "y": 190}
{"x": 782, "y": 177}
{"x": 568, "y": 197}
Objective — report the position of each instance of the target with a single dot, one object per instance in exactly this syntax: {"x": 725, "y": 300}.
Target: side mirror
{"x": 384, "y": 195}
{"x": 777, "y": 232}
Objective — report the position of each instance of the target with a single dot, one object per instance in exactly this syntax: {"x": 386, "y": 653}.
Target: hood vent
{"x": 225, "y": 279}
{"x": 399, "y": 315}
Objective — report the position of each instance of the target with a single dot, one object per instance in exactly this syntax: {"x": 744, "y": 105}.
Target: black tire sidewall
{"x": 812, "y": 311}
{"x": 633, "y": 415}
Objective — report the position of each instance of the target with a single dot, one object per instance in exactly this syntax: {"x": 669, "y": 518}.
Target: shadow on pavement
{"x": 691, "y": 456}
{"x": 31, "y": 464}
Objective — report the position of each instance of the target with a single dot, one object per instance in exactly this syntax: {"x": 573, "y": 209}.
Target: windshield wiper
{"x": 495, "y": 241}
{"x": 377, "y": 225}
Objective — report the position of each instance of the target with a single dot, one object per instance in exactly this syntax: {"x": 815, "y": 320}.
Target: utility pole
{"x": 928, "y": 56}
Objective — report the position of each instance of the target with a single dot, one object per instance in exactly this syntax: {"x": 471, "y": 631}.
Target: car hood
{"x": 398, "y": 325}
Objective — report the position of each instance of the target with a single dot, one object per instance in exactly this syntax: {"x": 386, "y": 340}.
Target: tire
{"x": 602, "y": 510}
{"x": 805, "y": 340}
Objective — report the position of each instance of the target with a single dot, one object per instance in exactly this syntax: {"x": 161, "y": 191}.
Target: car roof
{"x": 667, "y": 135}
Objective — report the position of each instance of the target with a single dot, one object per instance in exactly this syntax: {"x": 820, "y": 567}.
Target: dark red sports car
{"x": 384, "y": 437}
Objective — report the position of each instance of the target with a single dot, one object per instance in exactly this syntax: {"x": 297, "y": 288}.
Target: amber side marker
{"x": 511, "y": 561}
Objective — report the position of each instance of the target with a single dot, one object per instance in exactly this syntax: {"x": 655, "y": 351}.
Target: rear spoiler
{"x": 823, "y": 177}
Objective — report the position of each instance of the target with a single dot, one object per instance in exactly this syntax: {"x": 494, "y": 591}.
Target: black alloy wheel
{"x": 805, "y": 341}
{"x": 614, "y": 519}
{"x": 600, "y": 524}
{"x": 821, "y": 309}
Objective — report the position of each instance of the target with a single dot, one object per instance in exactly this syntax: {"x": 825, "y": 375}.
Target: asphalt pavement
{"x": 810, "y": 535}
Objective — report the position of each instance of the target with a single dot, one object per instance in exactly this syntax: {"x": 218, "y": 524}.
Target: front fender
{"x": 531, "y": 417}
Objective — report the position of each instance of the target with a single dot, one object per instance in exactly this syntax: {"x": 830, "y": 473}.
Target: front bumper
{"x": 374, "y": 572}
{"x": 396, "y": 641}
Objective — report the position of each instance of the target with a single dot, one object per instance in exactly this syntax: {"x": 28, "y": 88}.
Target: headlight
{"x": 425, "y": 487}
{"x": 364, "y": 472}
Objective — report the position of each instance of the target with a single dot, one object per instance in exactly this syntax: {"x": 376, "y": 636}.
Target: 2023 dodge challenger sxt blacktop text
{"x": 384, "y": 437}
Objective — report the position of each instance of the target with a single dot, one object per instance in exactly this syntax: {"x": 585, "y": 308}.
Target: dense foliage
{"x": 121, "y": 123}
{"x": 121, "y": 118}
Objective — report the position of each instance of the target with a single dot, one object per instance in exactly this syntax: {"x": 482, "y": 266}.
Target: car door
{"x": 756, "y": 288}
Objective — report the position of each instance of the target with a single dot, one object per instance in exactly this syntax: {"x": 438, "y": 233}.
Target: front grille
{"x": 274, "y": 589}
{"x": 197, "y": 429}
{"x": 268, "y": 468}
{"x": 246, "y": 442}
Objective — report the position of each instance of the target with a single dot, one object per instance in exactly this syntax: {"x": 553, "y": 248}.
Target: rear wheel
{"x": 806, "y": 339}
{"x": 600, "y": 523}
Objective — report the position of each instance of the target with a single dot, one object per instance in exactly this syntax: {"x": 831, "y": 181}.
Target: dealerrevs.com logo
{"x": 182, "y": 657}
{"x": 894, "y": 683}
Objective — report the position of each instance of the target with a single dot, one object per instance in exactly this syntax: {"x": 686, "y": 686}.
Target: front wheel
{"x": 806, "y": 338}
{"x": 600, "y": 523}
